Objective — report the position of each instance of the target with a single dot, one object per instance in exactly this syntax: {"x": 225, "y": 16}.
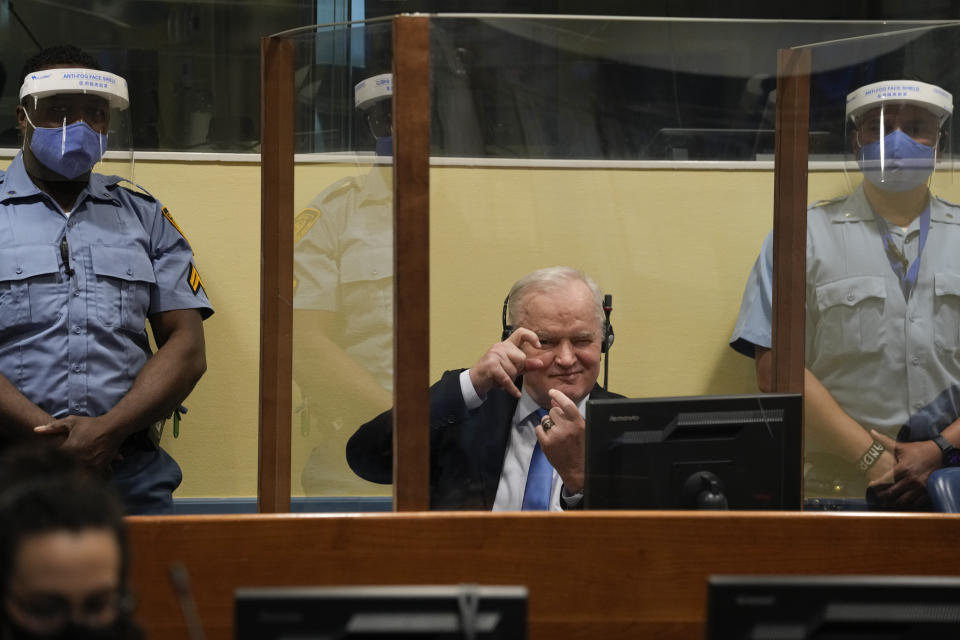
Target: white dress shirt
{"x": 520, "y": 445}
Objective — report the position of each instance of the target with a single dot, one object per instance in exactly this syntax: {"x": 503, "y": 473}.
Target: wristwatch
{"x": 950, "y": 453}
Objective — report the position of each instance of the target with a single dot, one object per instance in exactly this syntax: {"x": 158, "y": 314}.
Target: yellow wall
{"x": 673, "y": 247}
{"x": 218, "y": 207}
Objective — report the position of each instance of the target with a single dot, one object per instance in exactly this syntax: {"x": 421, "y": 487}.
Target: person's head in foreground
{"x": 62, "y": 550}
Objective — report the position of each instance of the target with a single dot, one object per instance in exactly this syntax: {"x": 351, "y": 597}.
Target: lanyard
{"x": 907, "y": 275}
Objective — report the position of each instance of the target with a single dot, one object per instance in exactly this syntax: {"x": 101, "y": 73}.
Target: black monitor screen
{"x": 699, "y": 452}
{"x": 833, "y": 608}
{"x": 381, "y": 613}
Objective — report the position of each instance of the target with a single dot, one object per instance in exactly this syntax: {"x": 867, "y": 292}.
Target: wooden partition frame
{"x": 276, "y": 274}
{"x": 411, "y": 263}
{"x": 599, "y": 574}
{"x": 411, "y": 330}
{"x": 790, "y": 219}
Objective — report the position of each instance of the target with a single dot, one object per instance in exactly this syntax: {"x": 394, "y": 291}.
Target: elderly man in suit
{"x": 508, "y": 433}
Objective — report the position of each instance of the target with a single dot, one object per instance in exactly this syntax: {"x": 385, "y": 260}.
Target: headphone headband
{"x": 605, "y": 343}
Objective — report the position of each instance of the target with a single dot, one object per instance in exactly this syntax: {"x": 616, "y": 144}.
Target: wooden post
{"x": 411, "y": 288}
{"x": 276, "y": 273}
{"x": 790, "y": 225}
{"x": 790, "y": 219}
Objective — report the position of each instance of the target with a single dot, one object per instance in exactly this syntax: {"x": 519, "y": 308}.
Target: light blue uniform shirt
{"x": 73, "y": 344}
{"x": 883, "y": 358}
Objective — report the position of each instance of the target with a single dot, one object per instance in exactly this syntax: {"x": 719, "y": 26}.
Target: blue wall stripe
{"x": 338, "y": 504}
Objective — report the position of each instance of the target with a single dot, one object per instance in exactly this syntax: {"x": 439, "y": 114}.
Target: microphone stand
{"x": 607, "y": 308}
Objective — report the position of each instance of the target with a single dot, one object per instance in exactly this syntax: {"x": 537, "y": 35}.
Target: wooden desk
{"x": 590, "y": 575}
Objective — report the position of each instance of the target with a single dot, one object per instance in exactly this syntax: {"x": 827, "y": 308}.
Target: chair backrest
{"x": 944, "y": 489}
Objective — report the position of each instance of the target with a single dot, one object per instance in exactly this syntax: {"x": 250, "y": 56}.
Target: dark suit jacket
{"x": 467, "y": 448}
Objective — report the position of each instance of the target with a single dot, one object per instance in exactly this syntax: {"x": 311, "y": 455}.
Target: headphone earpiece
{"x": 607, "y": 337}
{"x": 507, "y": 329}
{"x": 607, "y": 327}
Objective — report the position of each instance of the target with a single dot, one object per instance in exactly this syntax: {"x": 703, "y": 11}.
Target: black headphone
{"x": 608, "y": 336}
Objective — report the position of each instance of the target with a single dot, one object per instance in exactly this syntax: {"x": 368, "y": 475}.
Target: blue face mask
{"x": 385, "y": 146}
{"x": 906, "y": 163}
{"x": 71, "y": 150}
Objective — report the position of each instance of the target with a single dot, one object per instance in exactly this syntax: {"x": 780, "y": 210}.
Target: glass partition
{"x": 606, "y": 88}
{"x": 638, "y": 151}
{"x": 882, "y": 305}
{"x": 343, "y": 251}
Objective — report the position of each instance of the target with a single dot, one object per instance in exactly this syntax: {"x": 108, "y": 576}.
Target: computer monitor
{"x": 832, "y": 608}
{"x": 381, "y": 613}
{"x": 698, "y": 452}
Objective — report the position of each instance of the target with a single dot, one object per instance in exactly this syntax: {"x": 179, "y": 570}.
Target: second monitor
{"x": 699, "y": 452}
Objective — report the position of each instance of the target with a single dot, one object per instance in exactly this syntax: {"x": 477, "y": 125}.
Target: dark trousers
{"x": 146, "y": 478}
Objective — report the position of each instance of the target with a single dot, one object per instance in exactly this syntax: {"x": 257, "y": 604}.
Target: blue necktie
{"x": 536, "y": 495}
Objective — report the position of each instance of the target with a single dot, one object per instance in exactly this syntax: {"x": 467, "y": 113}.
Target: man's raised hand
{"x": 504, "y": 362}
{"x": 563, "y": 443}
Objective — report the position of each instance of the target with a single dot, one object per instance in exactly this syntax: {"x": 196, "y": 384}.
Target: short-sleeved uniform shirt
{"x": 883, "y": 357}
{"x": 76, "y": 290}
{"x": 343, "y": 263}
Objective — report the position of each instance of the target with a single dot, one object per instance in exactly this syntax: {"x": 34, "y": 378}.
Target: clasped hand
{"x": 906, "y": 484}
{"x": 88, "y": 437}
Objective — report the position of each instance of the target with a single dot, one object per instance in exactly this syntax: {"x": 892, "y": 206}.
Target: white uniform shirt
{"x": 343, "y": 262}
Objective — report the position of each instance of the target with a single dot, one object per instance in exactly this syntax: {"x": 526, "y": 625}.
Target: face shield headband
{"x": 48, "y": 82}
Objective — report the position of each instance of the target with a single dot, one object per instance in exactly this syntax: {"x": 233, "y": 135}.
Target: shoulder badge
{"x": 194, "y": 281}
{"x": 303, "y": 222}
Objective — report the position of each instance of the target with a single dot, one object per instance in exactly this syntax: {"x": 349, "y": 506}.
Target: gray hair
{"x": 550, "y": 279}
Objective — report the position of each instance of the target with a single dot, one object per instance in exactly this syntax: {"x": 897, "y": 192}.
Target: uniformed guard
{"x": 85, "y": 260}
{"x": 882, "y": 307}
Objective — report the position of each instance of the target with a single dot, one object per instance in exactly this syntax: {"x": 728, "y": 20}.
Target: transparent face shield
{"x": 373, "y": 99}
{"x": 69, "y": 131}
{"x": 898, "y": 146}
